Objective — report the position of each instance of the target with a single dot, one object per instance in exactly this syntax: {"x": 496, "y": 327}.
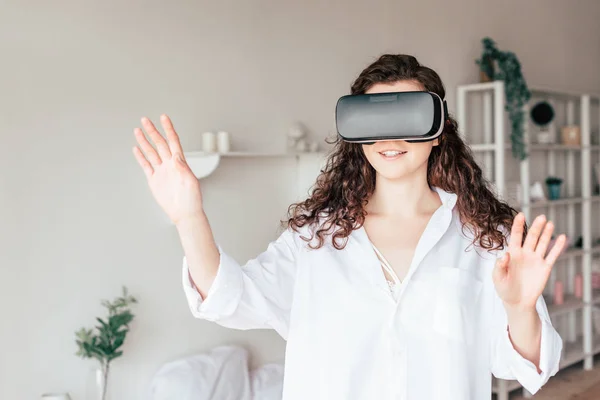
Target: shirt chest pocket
{"x": 445, "y": 304}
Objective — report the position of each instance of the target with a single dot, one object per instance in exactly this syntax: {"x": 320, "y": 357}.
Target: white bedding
{"x": 220, "y": 374}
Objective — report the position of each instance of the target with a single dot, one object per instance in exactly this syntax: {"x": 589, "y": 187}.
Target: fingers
{"x": 151, "y": 154}
{"x": 501, "y": 269}
{"x": 534, "y": 233}
{"x": 516, "y": 233}
{"x": 172, "y": 137}
{"x": 556, "y": 250}
{"x": 544, "y": 241}
{"x": 159, "y": 141}
{"x": 139, "y": 156}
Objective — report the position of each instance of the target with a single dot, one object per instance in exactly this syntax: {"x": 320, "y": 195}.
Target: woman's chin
{"x": 393, "y": 174}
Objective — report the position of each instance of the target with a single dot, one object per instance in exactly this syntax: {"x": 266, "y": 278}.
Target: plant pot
{"x": 483, "y": 77}
{"x": 554, "y": 191}
{"x": 488, "y": 63}
{"x": 544, "y": 137}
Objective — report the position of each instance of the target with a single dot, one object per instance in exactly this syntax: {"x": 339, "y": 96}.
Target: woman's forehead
{"x": 398, "y": 86}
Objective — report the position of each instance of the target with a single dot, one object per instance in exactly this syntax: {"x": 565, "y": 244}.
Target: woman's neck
{"x": 403, "y": 197}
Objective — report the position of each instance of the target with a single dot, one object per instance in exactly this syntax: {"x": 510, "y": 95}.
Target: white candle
{"x": 209, "y": 142}
{"x": 223, "y": 142}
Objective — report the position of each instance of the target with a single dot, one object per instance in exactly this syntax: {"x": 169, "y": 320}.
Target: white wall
{"x": 76, "y": 219}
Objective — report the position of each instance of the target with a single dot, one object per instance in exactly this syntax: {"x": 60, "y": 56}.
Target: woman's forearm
{"x": 200, "y": 250}
{"x": 525, "y": 331}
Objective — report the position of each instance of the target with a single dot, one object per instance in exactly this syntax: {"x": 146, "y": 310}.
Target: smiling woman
{"x": 371, "y": 284}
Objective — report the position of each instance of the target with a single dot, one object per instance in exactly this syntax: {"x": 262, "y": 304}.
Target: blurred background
{"x": 77, "y": 221}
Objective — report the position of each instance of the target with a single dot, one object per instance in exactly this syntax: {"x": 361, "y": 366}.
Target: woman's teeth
{"x": 391, "y": 153}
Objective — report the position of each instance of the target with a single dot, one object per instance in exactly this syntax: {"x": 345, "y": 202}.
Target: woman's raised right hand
{"x": 171, "y": 181}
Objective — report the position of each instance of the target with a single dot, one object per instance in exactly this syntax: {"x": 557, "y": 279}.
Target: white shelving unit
{"x": 577, "y": 214}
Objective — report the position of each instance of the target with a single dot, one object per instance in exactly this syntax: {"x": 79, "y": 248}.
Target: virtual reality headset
{"x": 409, "y": 116}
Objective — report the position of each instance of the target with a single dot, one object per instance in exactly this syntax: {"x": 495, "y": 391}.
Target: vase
{"x": 554, "y": 191}
{"x": 97, "y": 386}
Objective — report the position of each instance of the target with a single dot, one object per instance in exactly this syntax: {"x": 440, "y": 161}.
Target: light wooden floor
{"x": 572, "y": 383}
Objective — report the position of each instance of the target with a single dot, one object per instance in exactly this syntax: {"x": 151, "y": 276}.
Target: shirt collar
{"x": 448, "y": 199}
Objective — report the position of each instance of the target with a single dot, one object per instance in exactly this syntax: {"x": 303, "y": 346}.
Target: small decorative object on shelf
{"x": 596, "y": 280}
{"x": 554, "y": 185}
{"x": 578, "y": 286}
{"x": 596, "y": 319}
{"x": 296, "y": 133}
{"x": 559, "y": 295}
{"x": 536, "y": 192}
{"x": 209, "y": 142}
{"x": 515, "y": 88}
{"x": 542, "y": 115}
{"x": 301, "y": 145}
{"x": 104, "y": 340}
{"x": 223, "y": 143}
{"x": 571, "y": 135}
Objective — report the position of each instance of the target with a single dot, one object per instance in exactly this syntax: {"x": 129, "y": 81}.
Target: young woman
{"x": 396, "y": 279}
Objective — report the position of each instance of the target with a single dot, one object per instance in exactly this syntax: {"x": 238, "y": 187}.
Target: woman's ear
{"x": 436, "y": 142}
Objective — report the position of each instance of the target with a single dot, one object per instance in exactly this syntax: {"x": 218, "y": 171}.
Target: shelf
{"x": 560, "y": 147}
{"x": 559, "y": 202}
{"x": 554, "y": 147}
{"x": 535, "y": 91}
{"x": 482, "y": 147}
{"x": 572, "y": 252}
{"x": 561, "y": 94}
{"x": 562, "y": 202}
{"x": 571, "y": 303}
{"x": 579, "y": 161}
{"x": 203, "y": 164}
{"x": 578, "y": 251}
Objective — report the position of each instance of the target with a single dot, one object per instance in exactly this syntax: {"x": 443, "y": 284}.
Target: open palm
{"x": 171, "y": 181}
{"x": 521, "y": 274}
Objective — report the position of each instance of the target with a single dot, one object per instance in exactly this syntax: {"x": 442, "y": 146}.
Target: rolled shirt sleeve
{"x": 256, "y": 295}
{"x": 224, "y": 294}
{"x": 507, "y": 363}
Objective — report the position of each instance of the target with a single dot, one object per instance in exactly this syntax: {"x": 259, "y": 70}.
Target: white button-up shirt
{"x": 348, "y": 338}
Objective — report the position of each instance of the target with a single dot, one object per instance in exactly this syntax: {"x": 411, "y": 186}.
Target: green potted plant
{"x": 104, "y": 340}
{"x": 515, "y": 88}
{"x": 553, "y": 184}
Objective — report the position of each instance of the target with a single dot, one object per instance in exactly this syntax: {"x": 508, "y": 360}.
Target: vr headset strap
{"x": 445, "y": 111}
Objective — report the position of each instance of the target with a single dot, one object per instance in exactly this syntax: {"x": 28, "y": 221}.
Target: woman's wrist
{"x": 191, "y": 221}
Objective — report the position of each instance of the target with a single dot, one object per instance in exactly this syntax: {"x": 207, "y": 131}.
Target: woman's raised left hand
{"x": 521, "y": 274}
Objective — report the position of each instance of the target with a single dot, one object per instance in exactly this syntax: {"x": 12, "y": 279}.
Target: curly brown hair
{"x": 336, "y": 205}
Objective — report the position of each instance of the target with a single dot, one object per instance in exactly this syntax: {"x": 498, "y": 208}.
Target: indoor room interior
{"x": 88, "y": 257}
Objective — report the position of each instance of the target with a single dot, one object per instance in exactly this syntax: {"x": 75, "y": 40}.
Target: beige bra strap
{"x": 386, "y": 265}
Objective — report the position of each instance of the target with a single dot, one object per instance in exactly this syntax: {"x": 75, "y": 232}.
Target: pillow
{"x": 267, "y": 382}
{"x": 220, "y": 374}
